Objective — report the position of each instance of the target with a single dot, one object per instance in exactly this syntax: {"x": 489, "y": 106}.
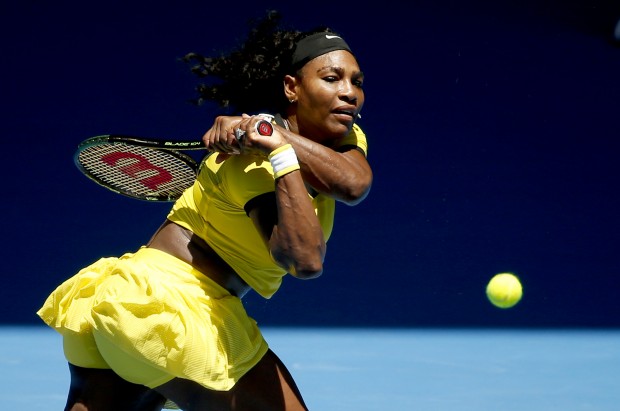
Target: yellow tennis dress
{"x": 151, "y": 317}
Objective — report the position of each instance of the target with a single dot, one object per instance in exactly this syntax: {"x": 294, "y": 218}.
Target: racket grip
{"x": 263, "y": 127}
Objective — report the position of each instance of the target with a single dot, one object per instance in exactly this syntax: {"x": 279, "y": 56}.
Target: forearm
{"x": 346, "y": 177}
{"x": 297, "y": 241}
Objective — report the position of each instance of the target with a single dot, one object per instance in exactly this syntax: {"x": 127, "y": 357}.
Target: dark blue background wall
{"x": 494, "y": 134}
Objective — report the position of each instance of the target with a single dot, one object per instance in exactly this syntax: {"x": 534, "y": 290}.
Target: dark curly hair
{"x": 249, "y": 79}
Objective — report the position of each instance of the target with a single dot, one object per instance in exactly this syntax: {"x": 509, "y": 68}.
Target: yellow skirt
{"x": 151, "y": 317}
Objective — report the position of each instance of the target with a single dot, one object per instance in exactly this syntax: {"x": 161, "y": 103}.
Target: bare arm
{"x": 345, "y": 176}
{"x": 292, "y": 233}
{"x": 291, "y": 229}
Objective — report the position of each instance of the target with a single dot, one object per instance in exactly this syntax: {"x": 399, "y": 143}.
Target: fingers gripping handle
{"x": 263, "y": 127}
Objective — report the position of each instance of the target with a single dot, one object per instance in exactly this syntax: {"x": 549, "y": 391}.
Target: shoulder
{"x": 355, "y": 139}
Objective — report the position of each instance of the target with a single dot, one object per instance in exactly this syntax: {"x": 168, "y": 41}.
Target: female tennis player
{"x": 165, "y": 324}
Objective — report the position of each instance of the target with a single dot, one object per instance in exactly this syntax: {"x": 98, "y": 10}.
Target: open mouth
{"x": 350, "y": 113}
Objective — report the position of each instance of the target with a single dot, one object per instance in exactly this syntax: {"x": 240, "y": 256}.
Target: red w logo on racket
{"x": 137, "y": 166}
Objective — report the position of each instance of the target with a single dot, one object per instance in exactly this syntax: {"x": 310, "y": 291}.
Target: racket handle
{"x": 263, "y": 127}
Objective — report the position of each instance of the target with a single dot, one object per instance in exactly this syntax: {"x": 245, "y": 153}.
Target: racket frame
{"x": 171, "y": 147}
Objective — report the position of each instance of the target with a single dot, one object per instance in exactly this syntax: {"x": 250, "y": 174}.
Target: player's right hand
{"x": 255, "y": 142}
{"x": 220, "y": 137}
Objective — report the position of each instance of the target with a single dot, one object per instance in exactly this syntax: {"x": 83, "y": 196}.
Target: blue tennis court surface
{"x": 369, "y": 369}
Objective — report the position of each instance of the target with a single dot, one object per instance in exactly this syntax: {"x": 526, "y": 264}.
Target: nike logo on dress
{"x": 327, "y": 36}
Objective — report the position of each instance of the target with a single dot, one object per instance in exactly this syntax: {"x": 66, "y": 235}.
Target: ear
{"x": 290, "y": 87}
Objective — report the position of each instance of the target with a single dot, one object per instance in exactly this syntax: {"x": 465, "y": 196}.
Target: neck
{"x": 290, "y": 122}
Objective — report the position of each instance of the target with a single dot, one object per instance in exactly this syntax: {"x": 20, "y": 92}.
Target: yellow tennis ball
{"x": 504, "y": 290}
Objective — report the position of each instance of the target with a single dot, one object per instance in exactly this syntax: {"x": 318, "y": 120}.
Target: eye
{"x": 358, "y": 80}
{"x": 330, "y": 79}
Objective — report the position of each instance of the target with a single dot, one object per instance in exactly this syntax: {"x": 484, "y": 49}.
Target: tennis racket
{"x": 151, "y": 170}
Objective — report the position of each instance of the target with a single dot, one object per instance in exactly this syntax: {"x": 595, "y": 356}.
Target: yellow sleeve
{"x": 246, "y": 177}
{"x": 356, "y": 137}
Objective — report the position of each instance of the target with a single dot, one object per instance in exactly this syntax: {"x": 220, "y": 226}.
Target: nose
{"x": 348, "y": 92}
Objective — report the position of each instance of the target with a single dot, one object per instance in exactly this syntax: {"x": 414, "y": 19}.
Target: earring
{"x": 292, "y": 101}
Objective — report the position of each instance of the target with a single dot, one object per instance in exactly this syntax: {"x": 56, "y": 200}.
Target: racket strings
{"x": 138, "y": 171}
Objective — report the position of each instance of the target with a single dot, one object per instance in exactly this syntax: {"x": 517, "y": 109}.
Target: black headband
{"x": 316, "y": 45}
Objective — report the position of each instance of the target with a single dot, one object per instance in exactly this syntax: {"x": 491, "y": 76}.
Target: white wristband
{"x": 283, "y": 160}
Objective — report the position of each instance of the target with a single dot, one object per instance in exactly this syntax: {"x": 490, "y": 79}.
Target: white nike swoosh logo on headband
{"x": 327, "y": 36}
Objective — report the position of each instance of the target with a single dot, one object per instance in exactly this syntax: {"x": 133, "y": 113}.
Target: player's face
{"x": 329, "y": 96}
